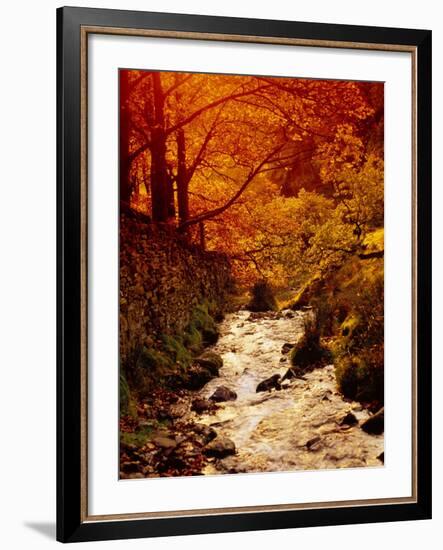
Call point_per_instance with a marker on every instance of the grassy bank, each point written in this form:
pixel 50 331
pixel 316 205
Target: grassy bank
pixel 349 305
pixel 169 361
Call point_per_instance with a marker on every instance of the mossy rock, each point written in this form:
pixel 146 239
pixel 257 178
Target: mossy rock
pixel 360 377
pixel 210 336
pixel 203 323
pixel 307 353
pixel 211 361
pixel 197 377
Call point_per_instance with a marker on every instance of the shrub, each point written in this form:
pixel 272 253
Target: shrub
pixel 361 376
pixel 308 351
pixel 262 298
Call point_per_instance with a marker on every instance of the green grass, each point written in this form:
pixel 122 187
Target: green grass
pixel 168 362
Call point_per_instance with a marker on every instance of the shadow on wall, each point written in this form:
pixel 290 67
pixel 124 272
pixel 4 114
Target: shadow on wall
pixel 46 529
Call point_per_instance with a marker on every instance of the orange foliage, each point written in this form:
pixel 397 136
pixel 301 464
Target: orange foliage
pixel 255 165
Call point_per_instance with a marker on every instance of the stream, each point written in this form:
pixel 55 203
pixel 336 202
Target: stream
pixel 295 428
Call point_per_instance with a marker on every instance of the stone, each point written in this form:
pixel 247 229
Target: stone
pixel 291 373
pixel 381 457
pixel 270 383
pixel 375 424
pixel 222 393
pixel 201 405
pixel 286 348
pixel 348 420
pixel 162 279
pixel 205 432
pixel 209 337
pixel 198 377
pixel 219 447
pixel 211 361
pixel 312 444
pixel 178 411
pixel 130 466
pixel 165 442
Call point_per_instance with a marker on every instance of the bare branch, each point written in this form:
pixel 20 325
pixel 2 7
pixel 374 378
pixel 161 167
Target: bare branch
pixel 217 211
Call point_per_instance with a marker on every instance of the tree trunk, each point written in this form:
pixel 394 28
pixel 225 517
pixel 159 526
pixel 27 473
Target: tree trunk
pixel 125 185
pixel 159 176
pixel 201 226
pixel 182 179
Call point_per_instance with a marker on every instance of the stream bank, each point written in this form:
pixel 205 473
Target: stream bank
pixel 304 425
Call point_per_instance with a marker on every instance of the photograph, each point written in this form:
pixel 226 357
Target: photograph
pixel 218 301
pixel 251 274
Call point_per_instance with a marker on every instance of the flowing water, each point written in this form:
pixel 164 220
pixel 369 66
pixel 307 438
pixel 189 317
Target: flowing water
pixel 295 428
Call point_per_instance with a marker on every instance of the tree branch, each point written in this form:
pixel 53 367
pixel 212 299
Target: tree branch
pixel 231 201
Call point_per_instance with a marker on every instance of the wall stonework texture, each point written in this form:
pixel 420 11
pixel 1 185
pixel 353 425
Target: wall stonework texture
pixel 162 278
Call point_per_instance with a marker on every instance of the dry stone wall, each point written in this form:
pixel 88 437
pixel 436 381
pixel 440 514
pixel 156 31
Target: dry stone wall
pixel 162 279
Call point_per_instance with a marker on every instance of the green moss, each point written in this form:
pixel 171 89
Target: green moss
pixel 138 438
pixel 360 376
pixel 193 339
pixel 177 352
pixel 203 322
pixel 127 402
pixel 349 325
pixel 211 361
pixel 151 360
pixel 170 362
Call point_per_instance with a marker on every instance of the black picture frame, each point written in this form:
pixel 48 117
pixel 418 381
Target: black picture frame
pixel 71 523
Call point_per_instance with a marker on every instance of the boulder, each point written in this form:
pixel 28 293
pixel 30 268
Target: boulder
pixel 222 393
pixel 178 410
pixel 211 361
pixel 269 384
pixel 348 420
pixel 209 336
pixel 197 377
pixel 220 447
pixel 286 348
pixel 375 424
pixel 291 373
pixel 206 433
pixel 201 405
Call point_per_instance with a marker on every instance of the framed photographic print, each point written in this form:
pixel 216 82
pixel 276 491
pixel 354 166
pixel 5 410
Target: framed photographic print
pixel 244 274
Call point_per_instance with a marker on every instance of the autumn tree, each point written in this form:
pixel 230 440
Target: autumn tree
pixel 231 155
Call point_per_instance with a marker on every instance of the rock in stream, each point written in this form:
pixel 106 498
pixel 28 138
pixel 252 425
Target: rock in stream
pixel 297 429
